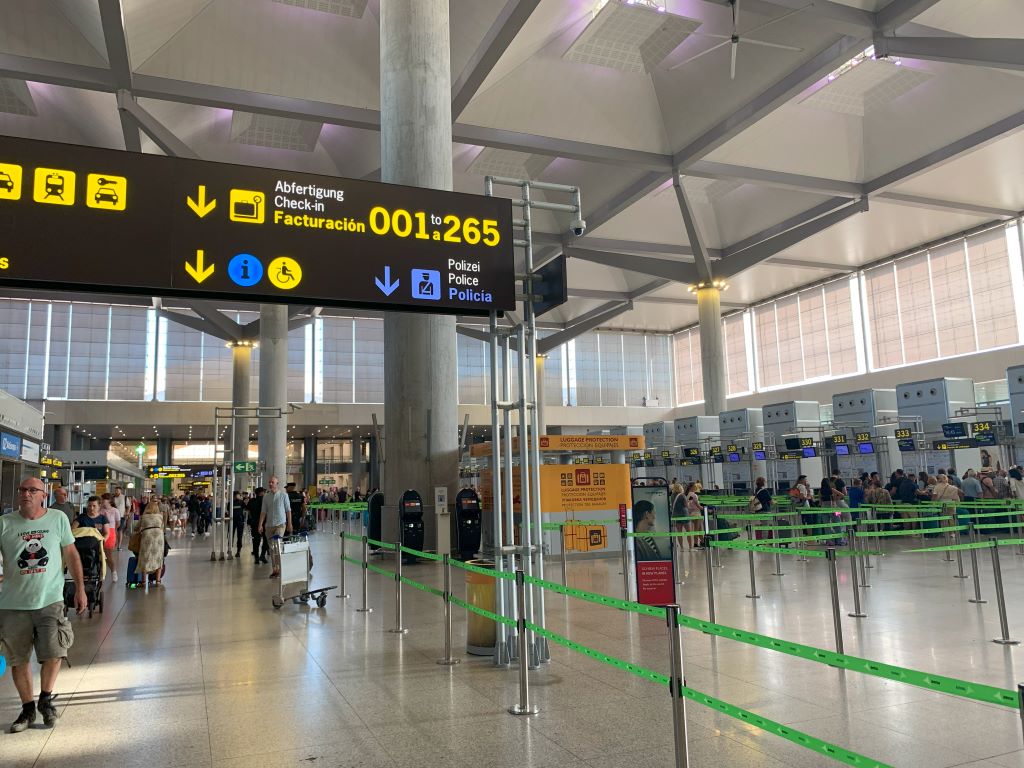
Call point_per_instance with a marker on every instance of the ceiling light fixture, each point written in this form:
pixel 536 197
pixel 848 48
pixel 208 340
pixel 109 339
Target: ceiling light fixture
pixel 630 35
pixel 718 283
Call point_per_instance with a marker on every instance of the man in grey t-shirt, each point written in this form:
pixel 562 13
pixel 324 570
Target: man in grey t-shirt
pixel 971 486
pixel 275 520
pixel 61 501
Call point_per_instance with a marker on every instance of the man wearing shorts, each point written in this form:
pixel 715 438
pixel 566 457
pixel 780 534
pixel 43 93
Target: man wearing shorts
pixel 275 520
pixel 32 543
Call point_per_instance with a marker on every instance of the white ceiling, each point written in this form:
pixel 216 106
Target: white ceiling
pixel 757 153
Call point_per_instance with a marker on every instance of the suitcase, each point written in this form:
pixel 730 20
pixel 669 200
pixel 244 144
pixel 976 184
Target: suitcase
pixel 132 579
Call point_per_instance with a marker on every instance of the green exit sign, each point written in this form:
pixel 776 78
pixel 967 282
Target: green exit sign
pixel 245 466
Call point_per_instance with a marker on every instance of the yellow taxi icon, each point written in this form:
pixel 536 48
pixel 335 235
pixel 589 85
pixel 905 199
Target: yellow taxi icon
pixel 106 192
pixel 54 186
pixel 284 273
pixel 10 181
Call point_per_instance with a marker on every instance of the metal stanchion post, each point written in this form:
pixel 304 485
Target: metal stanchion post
pixel 447 661
pixel 859 555
pixel 342 592
pixel 869 514
pixel 947 555
pixel 778 558
pixel 399 629
pixel 750 558
pixel 857 612
pixel 625 565
pixel 677 557
pixel 675 687
pixel 524 707
pixel 997 572
pixel 974 566
pixel 711 583
pixel 959 553
pixel 366 608
pixel 833 583
pixel 561 546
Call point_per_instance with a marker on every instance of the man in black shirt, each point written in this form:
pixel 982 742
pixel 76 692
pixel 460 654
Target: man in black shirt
pixel 298 505
pixel 259 541
pixel 238 521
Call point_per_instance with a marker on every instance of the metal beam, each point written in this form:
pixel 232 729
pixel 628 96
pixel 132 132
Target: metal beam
pixel 499 37
pixel 56 73
pixel 195 323
pixel 552 147
pixel 583 324
pixel 847 17
pixel 784 226
pixel 916 201
pixel 899 12
pixel 700 254
pixel 157 131
pixel 209 312
pixel 769 99
pixel 825 266
pixel 205 95
pixel 619 202
pixel 116 42
pixel 1001 53
pixel 947 153
pixel 756 254
pixel 677 271
pixel 705 169
pixel 640 297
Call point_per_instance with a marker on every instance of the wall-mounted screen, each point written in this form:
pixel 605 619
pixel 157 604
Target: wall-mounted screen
pixel 842 450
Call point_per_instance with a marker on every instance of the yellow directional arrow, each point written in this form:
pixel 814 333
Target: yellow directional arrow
pixel 199 274
pixel 201 207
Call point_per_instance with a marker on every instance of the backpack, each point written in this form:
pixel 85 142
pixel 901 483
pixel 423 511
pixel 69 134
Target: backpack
pixel 753 505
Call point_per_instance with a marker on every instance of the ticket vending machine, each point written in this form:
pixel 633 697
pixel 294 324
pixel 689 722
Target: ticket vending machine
pixel 694 436
pixel 467 523
pixel 866 420
pixel 741 428
pixel 796 426
pixel 933 403
pixel 410 518
pixel 1015 380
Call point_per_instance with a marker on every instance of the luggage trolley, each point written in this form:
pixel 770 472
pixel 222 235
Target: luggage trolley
pixel 296 564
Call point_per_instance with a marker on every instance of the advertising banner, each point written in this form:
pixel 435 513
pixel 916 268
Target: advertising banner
pixel 10 446
pixel 583 488
pixel 652 555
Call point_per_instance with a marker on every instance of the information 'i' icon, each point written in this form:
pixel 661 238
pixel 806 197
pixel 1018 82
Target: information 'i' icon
pixel 245 270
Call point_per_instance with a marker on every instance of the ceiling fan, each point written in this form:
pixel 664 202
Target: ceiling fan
pixel 736 38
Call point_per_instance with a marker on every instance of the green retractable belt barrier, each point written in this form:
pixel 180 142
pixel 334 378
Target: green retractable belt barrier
pixel 974 545
pixel 913 532
pixel 890 521
pixel 381 544
pixel 484 571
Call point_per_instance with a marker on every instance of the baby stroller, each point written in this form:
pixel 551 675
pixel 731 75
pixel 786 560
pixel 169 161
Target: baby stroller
pixel 90 552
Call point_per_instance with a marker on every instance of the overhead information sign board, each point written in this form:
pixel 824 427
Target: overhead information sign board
pixel 75 216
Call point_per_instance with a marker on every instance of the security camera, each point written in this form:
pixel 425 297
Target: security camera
pixel 578 227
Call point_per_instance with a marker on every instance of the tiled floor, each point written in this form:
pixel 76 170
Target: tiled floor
pixel 204 672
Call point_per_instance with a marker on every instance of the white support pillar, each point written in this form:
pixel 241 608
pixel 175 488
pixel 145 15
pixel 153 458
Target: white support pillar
pixel 273 434
pixel 542 422
pixel 241 362
pixel 712 348
pixel 420 363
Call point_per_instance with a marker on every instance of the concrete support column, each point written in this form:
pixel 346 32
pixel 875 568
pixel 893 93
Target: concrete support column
pixel 712 349
pixel 62 437
pixel 241 397
pixel 420 365
pixel 273 432
pixel 309 462
pixel 357 464
pixel 163 451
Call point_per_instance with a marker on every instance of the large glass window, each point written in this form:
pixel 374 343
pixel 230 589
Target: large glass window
pixel 474 370
pixel 369 361
pixel 954 299
pixel 689 384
